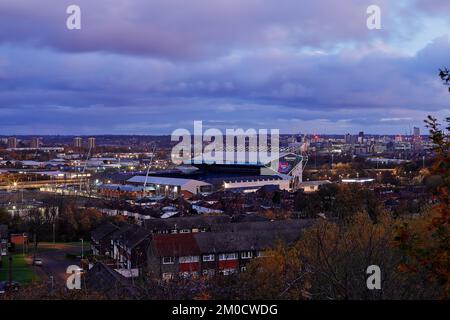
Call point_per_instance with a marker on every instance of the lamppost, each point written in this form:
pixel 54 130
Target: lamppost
pixel 52 282
pixel 82 248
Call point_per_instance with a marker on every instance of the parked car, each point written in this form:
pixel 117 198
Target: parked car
pixel 37 262
pixel 6 286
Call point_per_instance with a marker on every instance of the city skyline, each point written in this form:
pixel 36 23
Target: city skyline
pixel 148 68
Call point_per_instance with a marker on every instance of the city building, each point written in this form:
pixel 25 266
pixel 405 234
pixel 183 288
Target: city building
pixel 348 138
pixel 91 142
pixel 126 191
pixel 312 186
pixel 19 239
pixel 12 142
pixel 361 137
pixel 77 142
pixel 35 143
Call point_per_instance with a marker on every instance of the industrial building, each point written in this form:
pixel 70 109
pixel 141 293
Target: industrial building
pixel 172 187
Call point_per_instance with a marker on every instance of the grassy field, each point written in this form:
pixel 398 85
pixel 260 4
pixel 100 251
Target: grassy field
pixel 50 246
pixel 21 270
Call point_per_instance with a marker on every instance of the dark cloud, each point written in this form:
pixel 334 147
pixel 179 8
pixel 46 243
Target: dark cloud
pixel 152 66
pixel 178 29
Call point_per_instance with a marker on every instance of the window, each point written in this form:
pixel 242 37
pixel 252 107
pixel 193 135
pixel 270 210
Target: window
pixel 261 254
pixel 167 276
pixel 246 255
pixel 228 256
pixel 227 272
pixel 208 257
pixel 188 259
pixel 186 274
pixel 168 260
pixel 208 272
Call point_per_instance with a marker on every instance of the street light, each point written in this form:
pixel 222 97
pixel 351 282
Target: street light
pixel 82 248
pixel 52 281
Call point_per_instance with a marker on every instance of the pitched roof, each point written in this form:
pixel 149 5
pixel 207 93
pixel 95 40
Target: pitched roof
pixel 263 226
pixel 185 222
pixel 121 232
pixel 129 233
pixel 175 245
pixel 244 240
pixel 101 278
pixel 103 230
pixel 137 237
pixel 264 236
pixel 249 218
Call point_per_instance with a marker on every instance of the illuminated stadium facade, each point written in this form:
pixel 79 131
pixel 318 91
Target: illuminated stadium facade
pixel 283 171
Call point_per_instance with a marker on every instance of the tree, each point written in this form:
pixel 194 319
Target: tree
pixel 444 74
pixel 276 198
pixel 5 217
pixel 329 261
pixel 428 247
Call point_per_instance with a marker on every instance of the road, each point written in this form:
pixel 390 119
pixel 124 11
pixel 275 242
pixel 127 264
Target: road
pixel 55 261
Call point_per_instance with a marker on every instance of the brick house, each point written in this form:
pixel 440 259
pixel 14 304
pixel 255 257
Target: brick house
pixel 192 246
pixel 172 254
pixel 210 253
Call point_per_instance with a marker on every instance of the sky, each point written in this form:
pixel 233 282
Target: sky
pixel 152 66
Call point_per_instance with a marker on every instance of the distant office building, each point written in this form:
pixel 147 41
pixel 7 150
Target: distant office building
pixel 35 143
pixel 12 142
pixel 348 138
pixel 91 143
pixel 416 132
pixel 77 142
pixel 361 137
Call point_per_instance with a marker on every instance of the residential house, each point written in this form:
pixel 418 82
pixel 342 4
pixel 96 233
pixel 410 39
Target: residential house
pixel 104 280
pixel 185 224
pixel 210 253
pixel 132 248
pixel 100 243
pixel 4 240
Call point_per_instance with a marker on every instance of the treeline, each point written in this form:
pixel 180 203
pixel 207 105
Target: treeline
pixel 62 221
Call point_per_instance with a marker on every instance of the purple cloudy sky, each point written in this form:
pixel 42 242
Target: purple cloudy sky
pixel 150 66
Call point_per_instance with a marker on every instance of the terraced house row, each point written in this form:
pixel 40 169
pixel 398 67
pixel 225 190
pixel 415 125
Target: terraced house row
pixel 203 246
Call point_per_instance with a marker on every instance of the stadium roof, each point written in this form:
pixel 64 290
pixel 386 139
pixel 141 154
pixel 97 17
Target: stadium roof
pixel 165 181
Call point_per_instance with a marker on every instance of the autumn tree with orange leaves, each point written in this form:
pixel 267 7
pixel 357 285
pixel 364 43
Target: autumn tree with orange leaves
pixel 428 248
pixel 427 245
